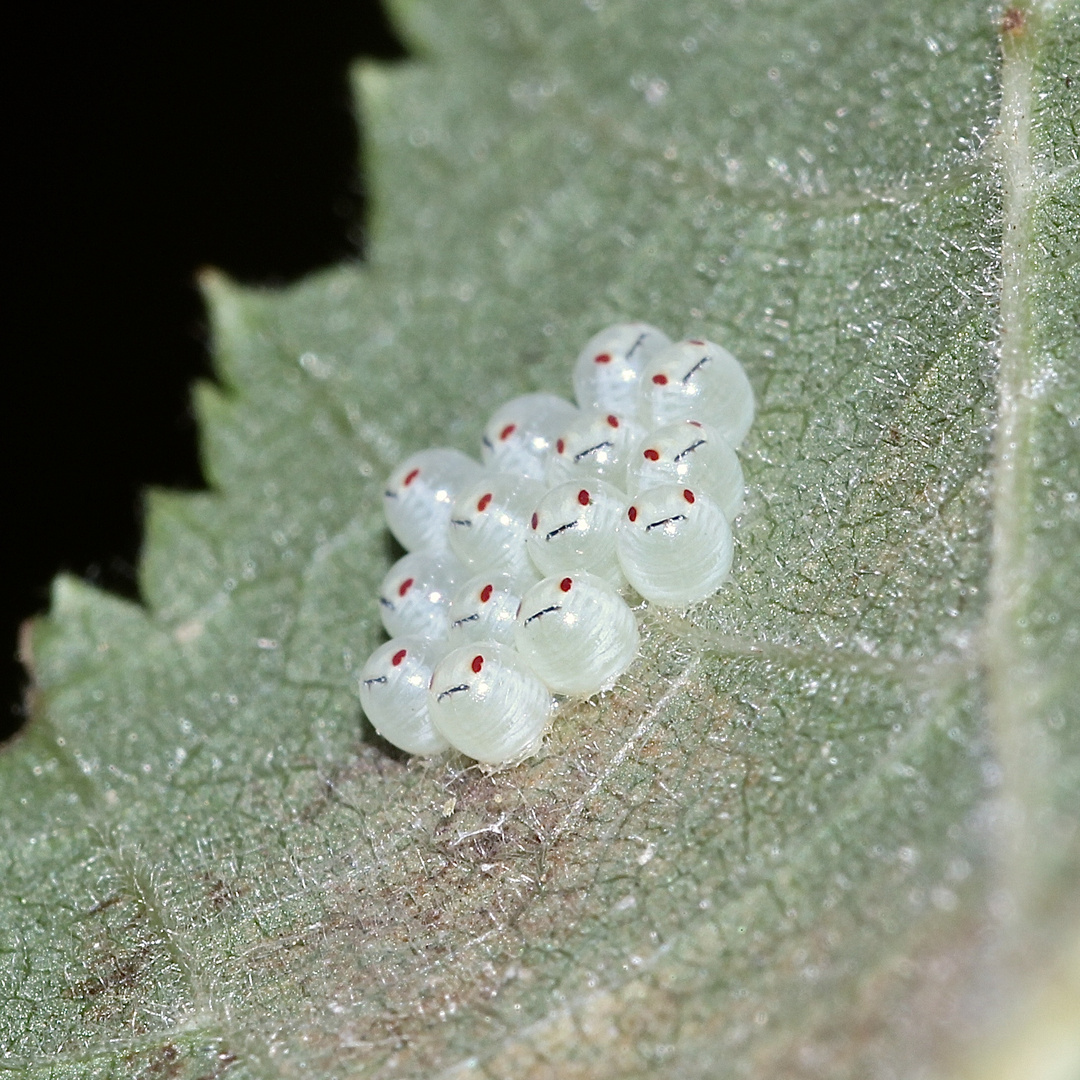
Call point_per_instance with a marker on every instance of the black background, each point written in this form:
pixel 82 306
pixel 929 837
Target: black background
pixel 148 143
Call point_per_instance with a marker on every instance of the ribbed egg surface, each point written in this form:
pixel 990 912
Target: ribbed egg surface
pixel 693 454
pixel 394 694
pixel 577 633
pixel 608 370
pixel 484 609
pixel 420 493
pixel 520 436
pixel 596 445
pixel 674 545
pixel 490 522
pixel 487 703
pixel 697 380
pixel 573 528
pixel 414 597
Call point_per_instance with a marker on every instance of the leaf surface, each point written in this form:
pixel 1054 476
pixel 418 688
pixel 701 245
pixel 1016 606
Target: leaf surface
pixel 828 824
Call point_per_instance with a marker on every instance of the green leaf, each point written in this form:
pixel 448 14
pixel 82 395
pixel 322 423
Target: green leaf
pixel 829 825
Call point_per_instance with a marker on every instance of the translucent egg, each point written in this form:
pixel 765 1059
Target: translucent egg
pixel 596 444
pixel 486 703
pixel 483 609
pixel 489 524
pixel 693 454
pixel 674 545
pixel 573 529
pixel 576 633
pixel 607 370
pixel 420 493
pixel 697 380
pixel 414 598
pixel 394 693
pixel 520 436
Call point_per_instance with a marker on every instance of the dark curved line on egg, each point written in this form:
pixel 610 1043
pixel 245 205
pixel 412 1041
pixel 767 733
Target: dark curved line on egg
pixel 592 450
pixel 453 690
pixel 665 521
pixel 701 363
pixel 689 450
pixel 543 611
pixel 563 528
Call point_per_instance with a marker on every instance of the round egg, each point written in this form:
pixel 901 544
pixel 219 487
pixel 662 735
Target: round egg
pixel 577 633
pixel 490 522
pixel 697 380
pixel 484 609
pixel 694 455
pixel 597 444
pixel 521 434
pixel 674 545
pixel 394 693
pixel 420 493
pixel 414 598
pixel 608 369
pixel 486 703
pixel 573 528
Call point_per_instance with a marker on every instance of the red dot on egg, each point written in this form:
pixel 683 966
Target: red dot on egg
pixel 398 657
pixel 613 421
pixel 482 505
pixel 477 664
pixel 583 497
pixel 632 513
pixel 507 431
pixel 485 594
pixel 602 358
pixel 560 446
pixel 410 477
pixel 688 495
pixel 652 455
pixel 700 344
pixel 535 519
pixel 405 586
pixel 660 380
pixel 566 584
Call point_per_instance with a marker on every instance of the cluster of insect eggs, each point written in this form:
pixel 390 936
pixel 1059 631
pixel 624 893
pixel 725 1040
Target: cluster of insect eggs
pixel 512 588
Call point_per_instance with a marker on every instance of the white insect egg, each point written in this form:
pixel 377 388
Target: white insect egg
pixel 484 609
pixel 596 444
pixel 420 492
pixel 573 529
pixel 693 454
pixel 697 380
pixel 414 598
pixel 521 434
pixel 394 693
pixel 489 524
pixel 607 370
pixel 674 545
pixel 577 633
pixel 486 703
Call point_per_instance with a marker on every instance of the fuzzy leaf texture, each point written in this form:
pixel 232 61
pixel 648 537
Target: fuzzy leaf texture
pixel 829 823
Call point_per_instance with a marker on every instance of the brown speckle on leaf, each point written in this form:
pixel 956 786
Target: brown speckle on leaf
pixel 115 973
pixel 220 894
pixel 1012 22
pixel 104 905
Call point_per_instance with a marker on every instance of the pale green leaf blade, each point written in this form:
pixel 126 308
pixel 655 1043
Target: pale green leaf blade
pixel 828 825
